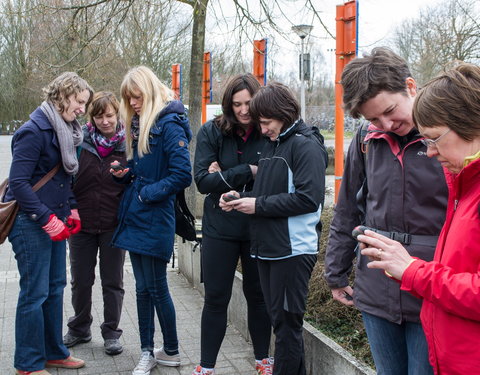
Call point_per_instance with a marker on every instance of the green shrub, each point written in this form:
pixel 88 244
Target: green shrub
pixel 341 323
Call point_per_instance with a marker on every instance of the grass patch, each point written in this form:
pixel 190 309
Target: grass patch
pixel 341 323
pixel 330 134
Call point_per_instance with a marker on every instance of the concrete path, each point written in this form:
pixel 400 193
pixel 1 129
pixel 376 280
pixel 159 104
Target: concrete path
pixel 235 358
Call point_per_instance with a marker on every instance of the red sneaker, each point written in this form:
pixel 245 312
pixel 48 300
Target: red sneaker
pixel 199 370
pixel 41 372
pixel 265 367
pixel 69 362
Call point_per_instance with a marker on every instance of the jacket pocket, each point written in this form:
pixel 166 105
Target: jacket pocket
pixel 139 214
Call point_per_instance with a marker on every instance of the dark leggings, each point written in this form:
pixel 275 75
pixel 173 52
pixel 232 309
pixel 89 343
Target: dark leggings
pixel 219 262
pixel 285 285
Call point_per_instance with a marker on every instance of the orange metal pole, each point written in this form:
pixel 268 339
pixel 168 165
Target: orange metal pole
pixel 346 35
pixel 339 125
pixel 259 56
pixel 205 85
pixel 350 31
pixel 176 74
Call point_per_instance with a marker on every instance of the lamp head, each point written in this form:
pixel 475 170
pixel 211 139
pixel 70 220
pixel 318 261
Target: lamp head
pixel 302 30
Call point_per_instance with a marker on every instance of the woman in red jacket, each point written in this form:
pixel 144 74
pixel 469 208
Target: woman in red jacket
pixel 447 114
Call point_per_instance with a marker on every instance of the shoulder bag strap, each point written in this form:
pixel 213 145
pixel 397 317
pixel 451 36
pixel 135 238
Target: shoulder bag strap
pixel 46 178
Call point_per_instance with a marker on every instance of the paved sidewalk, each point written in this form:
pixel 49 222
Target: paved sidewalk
pixel 235 357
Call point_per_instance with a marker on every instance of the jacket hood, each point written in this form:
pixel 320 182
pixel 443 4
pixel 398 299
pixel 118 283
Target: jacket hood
pixel 300 127
pixel 176 107
pixel 307 130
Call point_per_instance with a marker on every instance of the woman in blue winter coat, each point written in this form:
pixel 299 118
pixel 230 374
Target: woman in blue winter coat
pixel 157 136
pixel 46 218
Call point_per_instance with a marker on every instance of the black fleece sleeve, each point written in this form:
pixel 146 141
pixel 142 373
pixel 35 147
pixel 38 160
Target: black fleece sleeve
pixel 206 153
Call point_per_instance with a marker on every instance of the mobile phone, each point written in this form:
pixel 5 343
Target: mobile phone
pixel 229 197
pixel 358 230
pixel 117 167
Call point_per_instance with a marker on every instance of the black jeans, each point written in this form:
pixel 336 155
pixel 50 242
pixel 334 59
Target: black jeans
pixel 84 248
pixel 219 262
pixel 285 287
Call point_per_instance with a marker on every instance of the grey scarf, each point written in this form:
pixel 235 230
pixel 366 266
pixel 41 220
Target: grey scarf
pixel 69 136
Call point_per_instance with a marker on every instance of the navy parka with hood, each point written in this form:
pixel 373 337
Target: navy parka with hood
pixel 146 213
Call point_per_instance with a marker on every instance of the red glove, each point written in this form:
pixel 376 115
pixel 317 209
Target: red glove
pixel 56 229
pixel 73 222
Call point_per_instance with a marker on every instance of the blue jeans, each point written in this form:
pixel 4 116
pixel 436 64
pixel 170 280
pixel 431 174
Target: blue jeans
pixel 152 294
pixel 39 319
pixel 397 349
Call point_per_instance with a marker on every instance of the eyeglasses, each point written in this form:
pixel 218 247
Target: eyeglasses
pixel 433 142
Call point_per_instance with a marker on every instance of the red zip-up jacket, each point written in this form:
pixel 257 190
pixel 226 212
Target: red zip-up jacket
pixel 450 285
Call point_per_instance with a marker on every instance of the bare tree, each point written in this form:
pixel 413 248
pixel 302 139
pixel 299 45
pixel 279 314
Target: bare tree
pixel 16 60
pixel 449 31
pixel 155 34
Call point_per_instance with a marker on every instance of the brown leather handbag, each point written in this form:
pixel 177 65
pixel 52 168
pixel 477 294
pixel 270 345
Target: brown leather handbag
pixel 8 210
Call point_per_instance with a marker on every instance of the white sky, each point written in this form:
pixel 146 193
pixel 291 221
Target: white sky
pixel 377 20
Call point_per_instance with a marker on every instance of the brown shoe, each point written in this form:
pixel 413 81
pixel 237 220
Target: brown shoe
pixel 69 362
pixel 41 372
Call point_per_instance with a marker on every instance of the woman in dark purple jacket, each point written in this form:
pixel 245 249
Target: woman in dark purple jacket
pixel 98 197
pixel 45 220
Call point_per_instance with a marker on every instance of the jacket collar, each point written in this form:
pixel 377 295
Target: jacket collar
pixel 39 118
pixel 282 137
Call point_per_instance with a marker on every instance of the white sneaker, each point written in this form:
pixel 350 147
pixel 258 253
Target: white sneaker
pixel 165 359
pixel 146 363
pixel 199 370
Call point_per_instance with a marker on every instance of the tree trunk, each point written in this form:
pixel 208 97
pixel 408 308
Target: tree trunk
pixel 195 89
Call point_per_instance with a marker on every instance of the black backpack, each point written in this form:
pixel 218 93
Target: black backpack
pixel 184 220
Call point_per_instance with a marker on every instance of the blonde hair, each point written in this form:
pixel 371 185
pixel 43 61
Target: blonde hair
pixel 65 85
pixel 155 96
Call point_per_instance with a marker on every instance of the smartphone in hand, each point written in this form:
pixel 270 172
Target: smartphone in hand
pixel 117 167
pixel 358 230
pixel 229 197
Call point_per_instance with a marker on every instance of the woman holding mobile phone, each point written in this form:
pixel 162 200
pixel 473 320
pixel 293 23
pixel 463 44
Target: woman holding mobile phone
pixel 226 158
pixel 157 136
pixel 98 197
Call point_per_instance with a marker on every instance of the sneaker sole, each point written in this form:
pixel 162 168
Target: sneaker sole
pixel 114 352
pixel 70 367
pixel 168 363
pixel 80 340
pixel 145 373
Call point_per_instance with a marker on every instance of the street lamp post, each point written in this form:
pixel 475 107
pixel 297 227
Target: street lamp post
pixel 302 31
